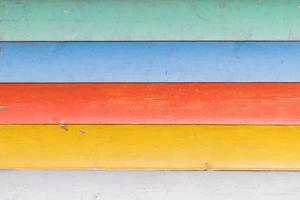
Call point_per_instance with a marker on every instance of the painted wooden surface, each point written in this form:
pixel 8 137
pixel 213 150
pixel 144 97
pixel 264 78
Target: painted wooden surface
pixel 83 20
pixel 194 103
pixel 150 62
pixel 150 147
pixel 147 185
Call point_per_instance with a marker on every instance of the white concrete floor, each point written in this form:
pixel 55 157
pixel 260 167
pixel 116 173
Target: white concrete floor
pixel 126 185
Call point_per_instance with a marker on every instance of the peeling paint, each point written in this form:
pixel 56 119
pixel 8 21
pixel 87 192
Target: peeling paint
pixel 66 11
pixel 64 126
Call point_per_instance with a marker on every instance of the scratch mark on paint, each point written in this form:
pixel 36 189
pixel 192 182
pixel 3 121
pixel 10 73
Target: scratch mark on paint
pixel 201 17
pixel 82 132
pixel 237 47
pixel 96 197
pixel 199 14
pixel 222 5
pixel 19 2
pixel 24 18
pixel 207 166
pixel 290 33
pixel 63 125
pixel 66 11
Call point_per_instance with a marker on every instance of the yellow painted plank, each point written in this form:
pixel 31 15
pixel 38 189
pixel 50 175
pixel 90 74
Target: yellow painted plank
pixel 150 147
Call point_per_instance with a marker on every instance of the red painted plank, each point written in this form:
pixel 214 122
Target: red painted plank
pixel 194 103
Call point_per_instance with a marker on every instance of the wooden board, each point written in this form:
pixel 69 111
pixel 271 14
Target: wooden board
pixel 133 20
pixel 150 62
pixel 158 185
pixel 193 103
pixel 150 147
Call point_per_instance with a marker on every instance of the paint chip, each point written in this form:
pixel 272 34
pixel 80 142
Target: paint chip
pixel 63 125
pixel 207 166
pixel 67 11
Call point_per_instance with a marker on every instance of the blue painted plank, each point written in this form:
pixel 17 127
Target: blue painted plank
pixel 150 62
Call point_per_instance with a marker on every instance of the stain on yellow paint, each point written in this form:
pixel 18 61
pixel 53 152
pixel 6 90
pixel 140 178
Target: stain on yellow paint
pixel 150 147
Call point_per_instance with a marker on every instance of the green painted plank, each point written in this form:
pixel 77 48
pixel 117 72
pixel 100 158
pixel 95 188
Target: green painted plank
pixel 111 20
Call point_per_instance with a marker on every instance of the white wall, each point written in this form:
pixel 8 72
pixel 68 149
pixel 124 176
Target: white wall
pixel 122 185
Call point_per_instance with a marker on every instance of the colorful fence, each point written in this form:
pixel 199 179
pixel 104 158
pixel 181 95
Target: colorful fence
pixel 152 85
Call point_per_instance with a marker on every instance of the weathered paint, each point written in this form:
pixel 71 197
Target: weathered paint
pixel 115 20
pixel 150 147
pixel 150 62
pixel 194 103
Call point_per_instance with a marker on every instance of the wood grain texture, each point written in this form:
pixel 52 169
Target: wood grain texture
pixel 115 20
pixel 193 103
pixel 150 147
pixel 150 62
